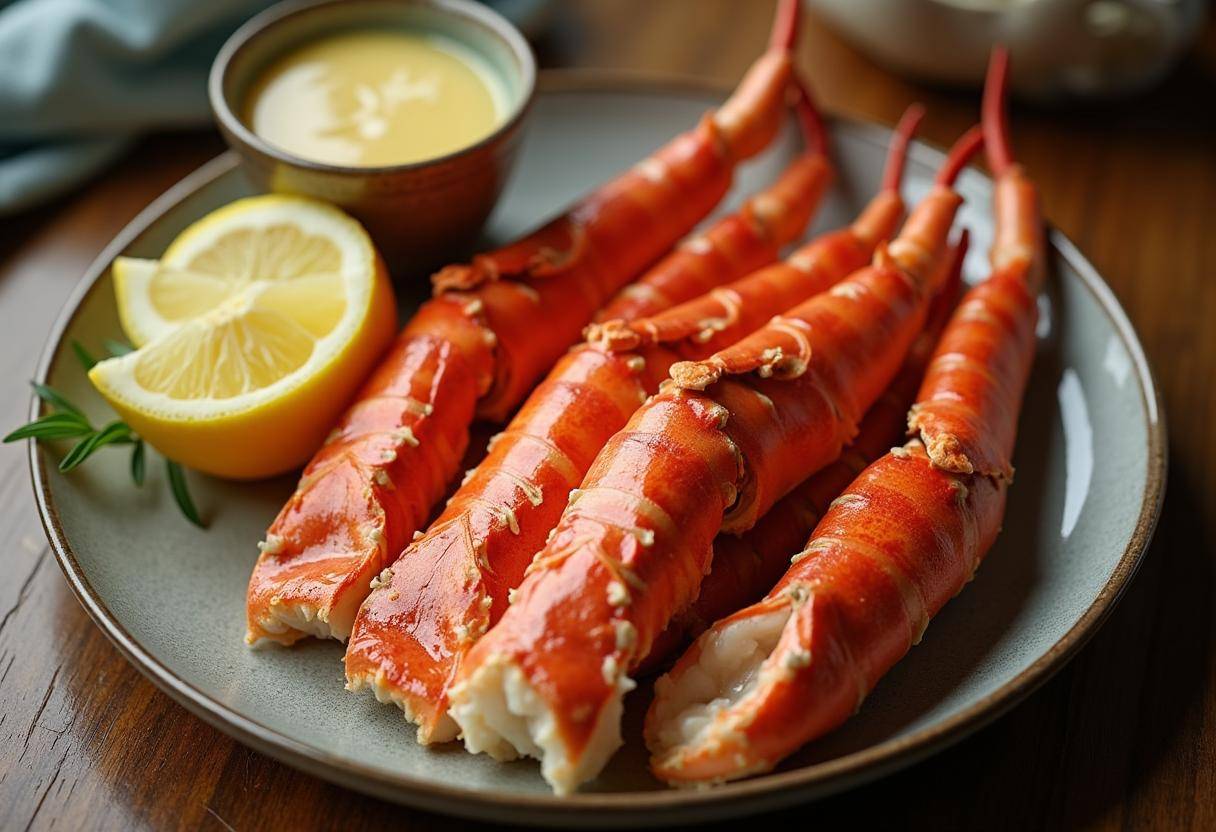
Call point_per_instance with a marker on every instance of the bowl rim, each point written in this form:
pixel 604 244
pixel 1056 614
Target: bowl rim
pixel 662 807
pixel 263 25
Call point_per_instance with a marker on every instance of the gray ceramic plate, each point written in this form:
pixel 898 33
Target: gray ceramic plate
pixel 1090 478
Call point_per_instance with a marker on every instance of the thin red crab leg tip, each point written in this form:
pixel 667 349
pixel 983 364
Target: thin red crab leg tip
pixel 952 289
pixel 959 253
pixel 897 153
pixel 786 24
pixel 810 121
pixel 963 244
pixel 960 156
pixel 1018 239
pixel 995 123
pixel 750 119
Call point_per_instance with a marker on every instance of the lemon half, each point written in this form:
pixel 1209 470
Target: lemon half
pixel 254 330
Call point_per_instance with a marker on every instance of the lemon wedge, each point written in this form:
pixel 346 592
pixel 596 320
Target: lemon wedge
pixel 254 330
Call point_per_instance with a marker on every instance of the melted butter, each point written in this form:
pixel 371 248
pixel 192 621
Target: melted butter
pixel 375 98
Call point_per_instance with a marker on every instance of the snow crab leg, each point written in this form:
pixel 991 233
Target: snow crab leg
pixel 477 348
pixel 905 537
pixel 635 540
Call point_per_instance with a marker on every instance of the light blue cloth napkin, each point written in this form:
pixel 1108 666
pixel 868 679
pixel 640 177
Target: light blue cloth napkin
pixel 79 79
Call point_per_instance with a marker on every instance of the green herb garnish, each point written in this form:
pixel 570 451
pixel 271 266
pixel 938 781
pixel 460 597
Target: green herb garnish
pixel 67 421
pixel 85 357
pixel 117 348
pixel 62 425
pixel 177 484
pixel 137 462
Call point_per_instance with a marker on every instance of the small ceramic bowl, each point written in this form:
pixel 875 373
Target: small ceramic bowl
pixel 419 213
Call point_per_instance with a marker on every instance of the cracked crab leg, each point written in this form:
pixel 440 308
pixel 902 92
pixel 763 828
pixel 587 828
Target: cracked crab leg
pixel 452 583
pixel 634 542
pixel 478 347
pixel 905 537
pixel 408 640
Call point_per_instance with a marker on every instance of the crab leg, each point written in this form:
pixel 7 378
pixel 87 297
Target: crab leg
pixel 876 313
pixel 451 584
pixel 729 248
pixel 717 319
pixel 634 542
pixel 493 329
pixel 746 566
pixel 408 640
pixel 905 537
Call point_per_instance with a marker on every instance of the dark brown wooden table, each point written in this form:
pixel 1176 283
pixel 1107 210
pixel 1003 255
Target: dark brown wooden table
pixel 1124 737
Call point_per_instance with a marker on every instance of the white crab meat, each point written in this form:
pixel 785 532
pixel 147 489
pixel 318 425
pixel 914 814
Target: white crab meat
pixel 690 701
pixel 500 714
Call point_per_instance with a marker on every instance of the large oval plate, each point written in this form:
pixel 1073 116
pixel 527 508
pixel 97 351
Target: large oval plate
pixel 1089 486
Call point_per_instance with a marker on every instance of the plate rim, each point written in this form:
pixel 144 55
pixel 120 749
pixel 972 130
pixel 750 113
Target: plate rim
pixel 601 809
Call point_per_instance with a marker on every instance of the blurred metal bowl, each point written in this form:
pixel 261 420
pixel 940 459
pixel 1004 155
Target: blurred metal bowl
pixel 1062 48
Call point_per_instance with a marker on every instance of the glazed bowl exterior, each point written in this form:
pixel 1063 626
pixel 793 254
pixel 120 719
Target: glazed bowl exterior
pixel 421 213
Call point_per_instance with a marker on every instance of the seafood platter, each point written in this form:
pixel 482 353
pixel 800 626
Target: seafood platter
pixel 687 490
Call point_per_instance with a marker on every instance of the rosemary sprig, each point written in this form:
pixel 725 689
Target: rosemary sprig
pixel 177 484
pixel 137 462
pixel 54 398
pixel 56 425
pixel 83 355
pixel 67 421
pixel 115 433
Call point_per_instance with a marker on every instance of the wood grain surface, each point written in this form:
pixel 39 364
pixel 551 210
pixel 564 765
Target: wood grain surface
pixel 1124 737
